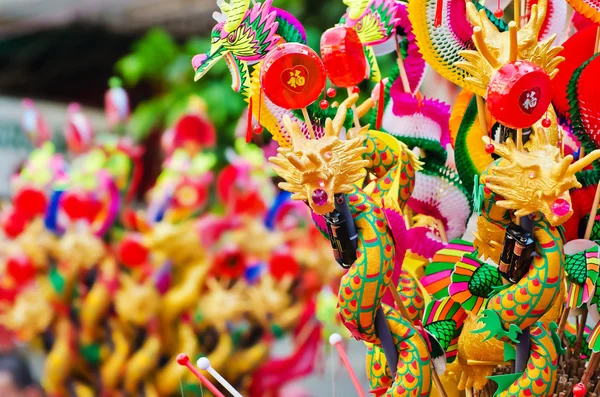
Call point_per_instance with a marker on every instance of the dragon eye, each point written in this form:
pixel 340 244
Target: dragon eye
pixel 359 25
pixel 215 39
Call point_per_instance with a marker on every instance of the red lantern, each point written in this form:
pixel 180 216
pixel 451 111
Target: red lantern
pixel 519 94
pixel 343 56
pixel 282 263
pixel 30 202
pixel 132 251
pixel 292 76
pixel 20 268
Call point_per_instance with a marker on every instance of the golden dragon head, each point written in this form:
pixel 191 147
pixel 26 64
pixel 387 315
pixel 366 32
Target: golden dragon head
pixel 316 169
pixel 137 302
pixel 536 179
pixel 496 49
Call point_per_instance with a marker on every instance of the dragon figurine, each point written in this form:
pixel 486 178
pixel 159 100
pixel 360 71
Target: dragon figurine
pixel 321 172
pixel 244 35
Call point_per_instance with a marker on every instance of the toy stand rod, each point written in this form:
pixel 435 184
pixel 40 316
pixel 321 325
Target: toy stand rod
pixel 592 217
pixel 311 131
pixel 398 302
pixel 354 112
pixel 401 69
pixel 335 340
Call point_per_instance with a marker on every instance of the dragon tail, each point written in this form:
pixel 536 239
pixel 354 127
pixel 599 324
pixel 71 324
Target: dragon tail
pixel 438 272
pixel 472 282
pixel 444 320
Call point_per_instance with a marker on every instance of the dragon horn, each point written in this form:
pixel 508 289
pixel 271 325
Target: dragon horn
pixel 584 162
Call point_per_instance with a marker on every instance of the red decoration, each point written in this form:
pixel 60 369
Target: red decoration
pixel 343 56
pixel 331 92
pixel 579 390
pixel 30 202
pixel 131 251
pixel 81 205
pixel 194 130
pixel 283 263
pixel 499 13
pixel 577 49
pixel 13 223
pixel 292 76
pixel 546 123
pixel 324 104
pixel 20 268
pixel 489 148
pixel 230 263
pixel 355 90
pixel 519 94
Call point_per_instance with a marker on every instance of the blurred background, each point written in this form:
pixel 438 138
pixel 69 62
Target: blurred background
pixel 62 51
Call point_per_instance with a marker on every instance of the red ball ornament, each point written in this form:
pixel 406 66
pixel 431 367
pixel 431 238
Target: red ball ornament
pixel 30 202
pixel 355 90
pixel 546 123
pixel 331 92
pixel 292 76
pixel 499 13
pixel 489 148
pixel 20 268
pixel 343 56
pixel 132 251
pixel 283 263
pixel 258 129
pixel 579 390
pixel 519 94
pixel 324 104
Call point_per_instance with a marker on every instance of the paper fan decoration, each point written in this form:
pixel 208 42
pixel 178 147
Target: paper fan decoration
pixel 555 20
pixel 576 50
pixel 418 122
pixel 588 8
pixel 469 149
pixel 440 194
pixel 441 42
pixel 585 103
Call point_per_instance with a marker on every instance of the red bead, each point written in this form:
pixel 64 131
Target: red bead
pixel 579 390
pixel 20 268
pixel 258 129
pixel 519 94
pixel 489 148
pixel 499 13
pixel 292 76
pixel 131 251
pixel 324 104
pixel 546 123
pixel 487 190
pixel 331 92
pixel 355 90
pixel 343 56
